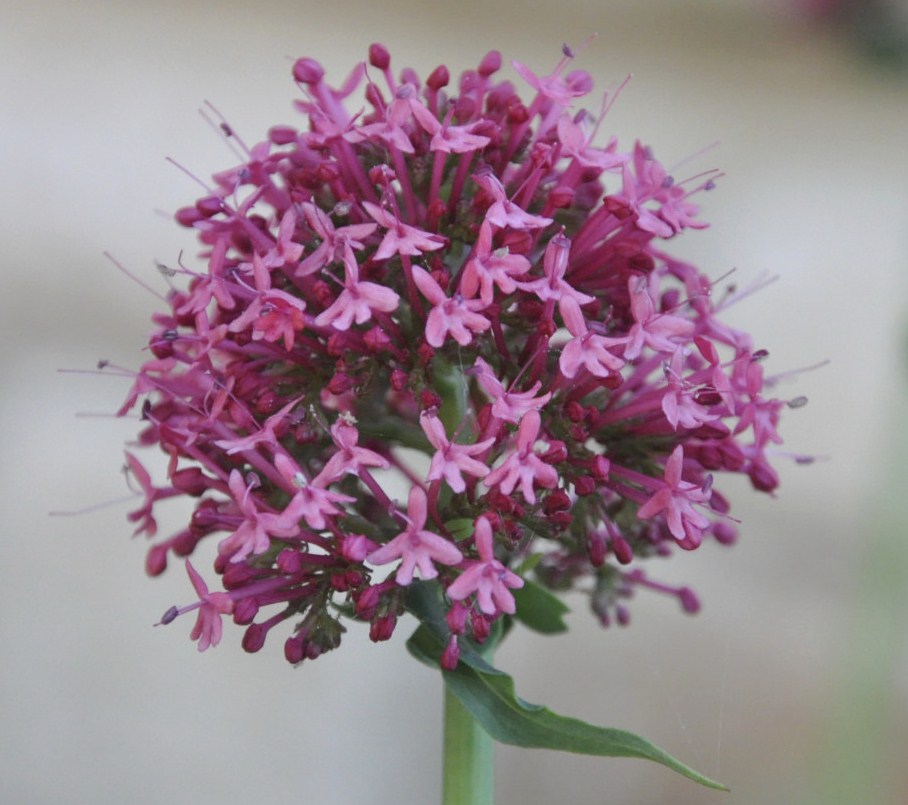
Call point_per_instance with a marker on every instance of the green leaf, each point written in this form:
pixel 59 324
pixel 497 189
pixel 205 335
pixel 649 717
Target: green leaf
pixel 451 386
pixel 540 609
pixel 489 695
pixel 460 527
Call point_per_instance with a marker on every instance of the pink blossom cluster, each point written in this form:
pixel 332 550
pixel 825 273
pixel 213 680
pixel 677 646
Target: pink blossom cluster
pixel 437 336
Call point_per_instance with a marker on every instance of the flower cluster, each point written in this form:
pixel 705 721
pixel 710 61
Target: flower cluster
pixel 453 297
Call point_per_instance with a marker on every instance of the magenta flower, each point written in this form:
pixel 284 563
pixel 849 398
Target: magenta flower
pixel 208 627
pixel 401 238
pixel 457 317
pixel 452 460
pixel 256 526
pixel 418 548
pixel 675 499
pixel 509 406
pixel 488 579
pixel 358 300
pixel 349 456
pixel 523 467
pixel 452 268
pixel 486 268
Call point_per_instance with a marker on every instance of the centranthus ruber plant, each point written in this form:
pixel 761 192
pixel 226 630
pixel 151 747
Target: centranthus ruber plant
pixel 437 360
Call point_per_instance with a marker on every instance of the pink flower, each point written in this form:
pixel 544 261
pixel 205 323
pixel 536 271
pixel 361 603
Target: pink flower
pixel 575 142
pixel 358 299
pixel 273 314
pixel 312 502
pixel 334 242
pixel 487 578
pixel 212 606
pixel 678 401
pixel 523 466
pixel 451 460
pixel 558 89
pixel 264 435
pixel 446 138
pixel 350 456
pixel 286 251
pixel 401 238
pixel 509 406
pixel 457 317
pixel 553 285
pixel 675 501
pixel 661 332
pixel 503 212
pixel 416 547
pixel 253 535
pixel 586 350
pixel 485 269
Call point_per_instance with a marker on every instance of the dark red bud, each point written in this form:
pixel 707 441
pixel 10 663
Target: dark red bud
pixel 707 395
pixel 724 533
pixel 517 113
pixel 156 560
pixel 425 352
pixel 376 340
pixel 689 601
pixel 244 611
pixel 267 403
pixel 399 379
pixel 254 638
pixel 481 627
pixel 556 453
pixel 558 500
pixel 457 618
pixel 595 548
pixel 339 582
pixel 584 485
pixel 450 656
pixel 621 549
pixel 561 197
pixel 340 383
pixel 561 519
pixel 289 561
pixel 190 481
pixel 491 63
pixel 382 627
pixel 438 78
pixel 379 57
pixel 763 477
pixel 327 172
pixel 322 293
pixel 187 216
pixel 210 205
pixel 294 650
pixel 429 399
pixel 574 411
pixel 618 207
pixel 307 71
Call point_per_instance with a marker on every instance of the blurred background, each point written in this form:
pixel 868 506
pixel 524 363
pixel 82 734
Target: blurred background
pixel 791 686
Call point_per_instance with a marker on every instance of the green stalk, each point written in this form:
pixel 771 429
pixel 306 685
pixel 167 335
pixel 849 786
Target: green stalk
pixel 469 751
pixel 469 772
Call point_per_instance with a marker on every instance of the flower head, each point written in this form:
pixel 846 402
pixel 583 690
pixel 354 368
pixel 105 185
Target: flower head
pixel 458 271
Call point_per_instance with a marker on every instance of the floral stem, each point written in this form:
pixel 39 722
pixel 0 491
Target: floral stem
pixel 469 772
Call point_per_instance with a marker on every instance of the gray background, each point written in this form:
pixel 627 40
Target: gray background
pixel 791 684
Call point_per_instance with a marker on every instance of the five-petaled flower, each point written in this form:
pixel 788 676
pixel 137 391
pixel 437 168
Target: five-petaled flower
pixel 487 577
pixel 417 548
